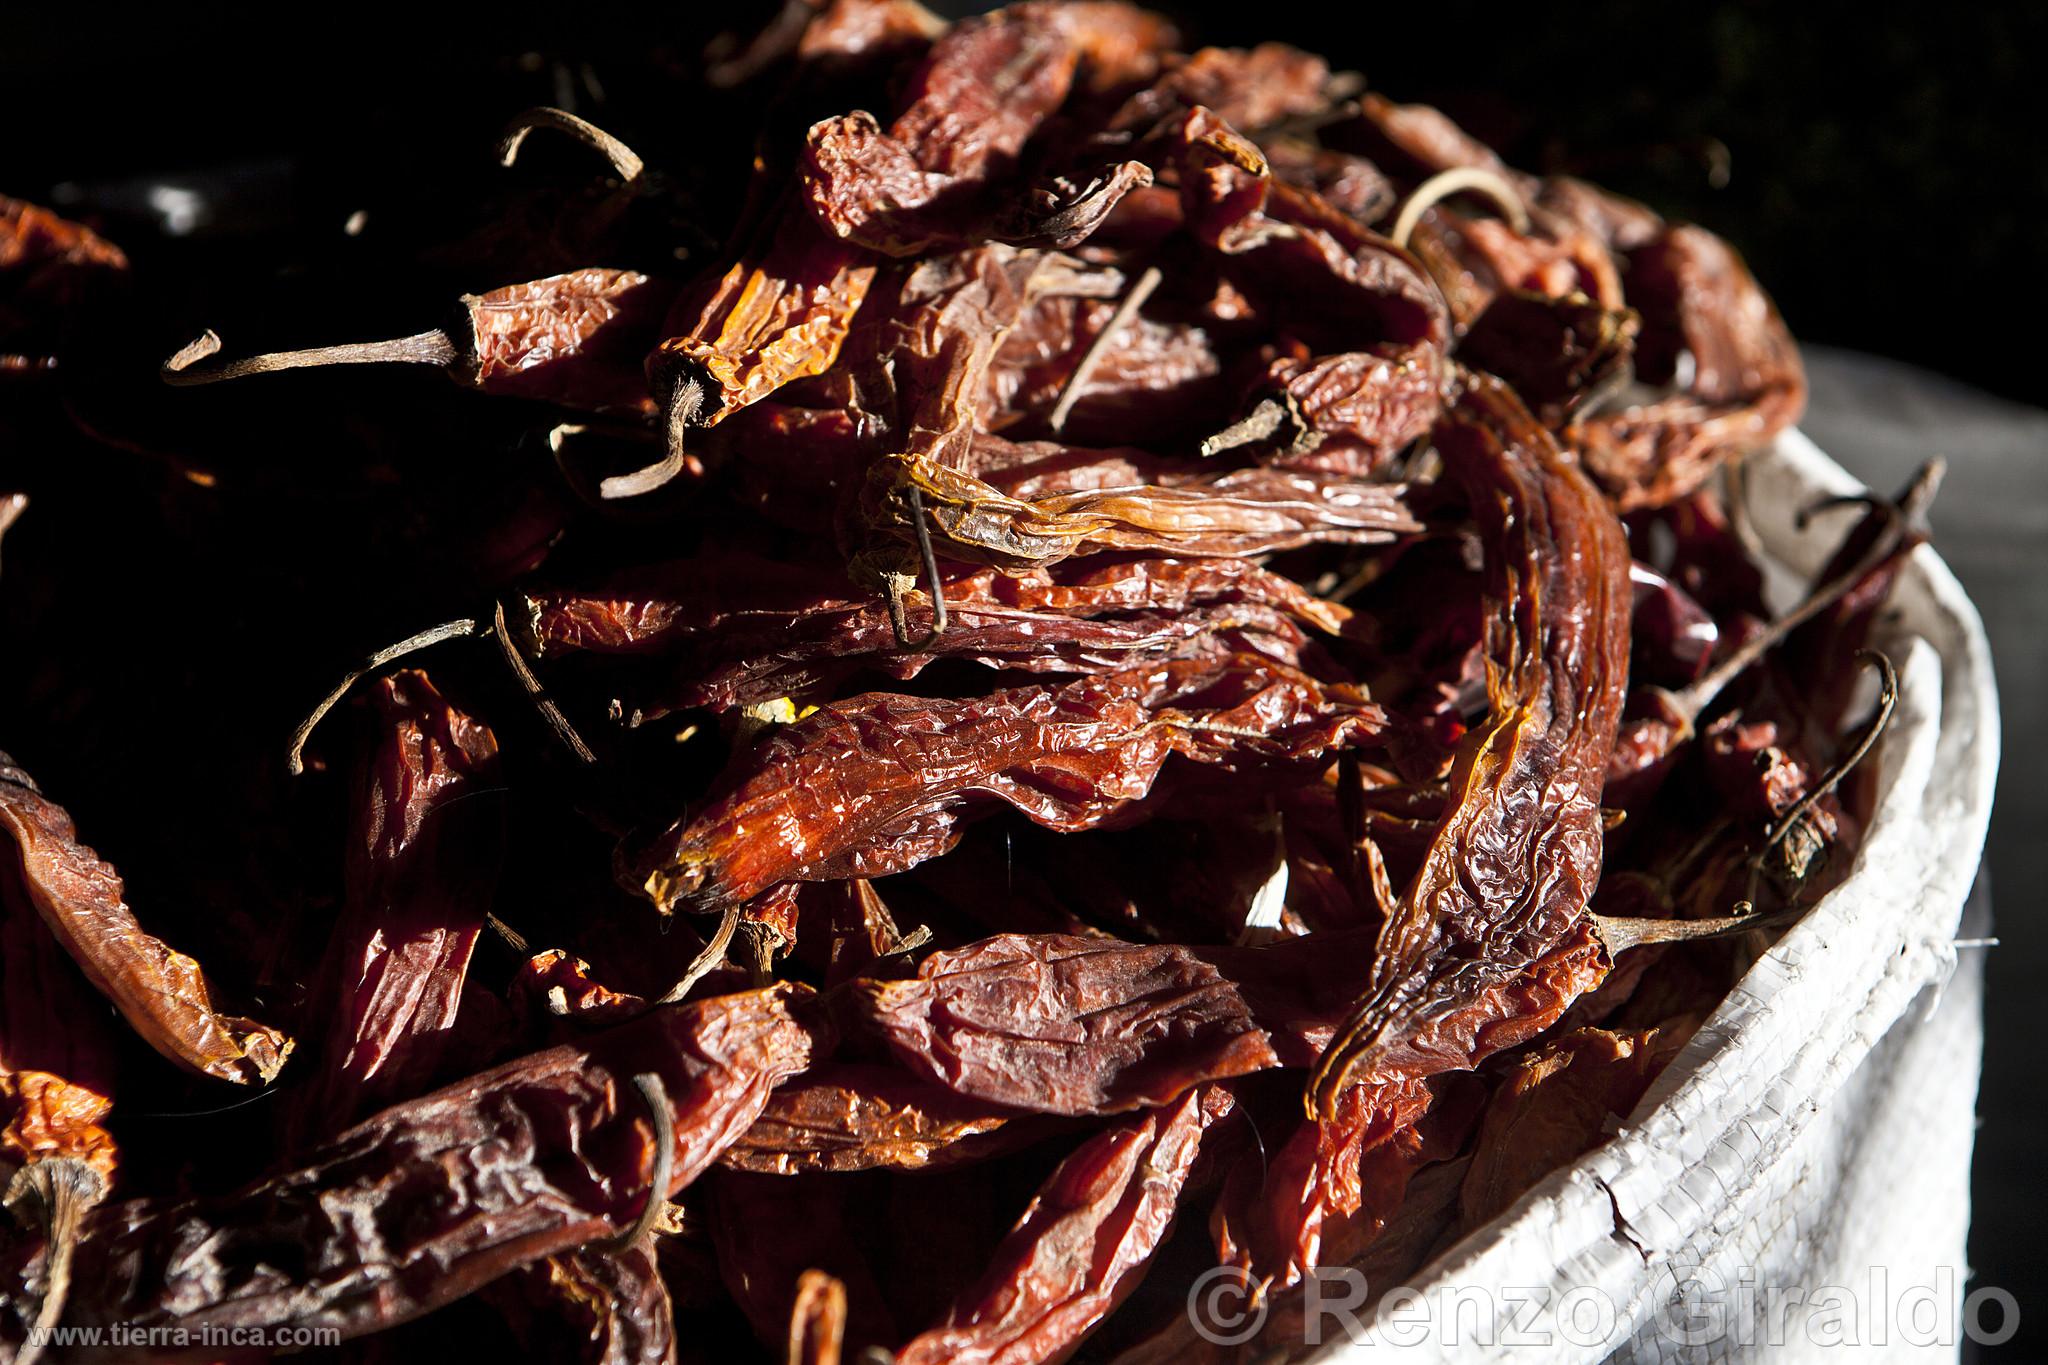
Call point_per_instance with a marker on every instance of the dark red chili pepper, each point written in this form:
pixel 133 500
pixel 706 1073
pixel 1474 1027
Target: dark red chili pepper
pixel 163 994
pixel 421 871
pixel 535 1157
pixel 838 792
pixel 1083 1245
pixel 1529 781
pixel 573 339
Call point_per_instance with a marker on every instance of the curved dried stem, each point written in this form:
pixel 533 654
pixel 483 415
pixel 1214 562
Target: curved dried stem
pixel 1459 180
pixel 53 1196
pixel 515 659
pixel 425 348
pixel 685 401
pixel 897 584
pixel 1887 702
pixel 1126 309
pixel 625 162
pixel 712 954
pixel 1689 702
pixel 433 635
pixel 651 1091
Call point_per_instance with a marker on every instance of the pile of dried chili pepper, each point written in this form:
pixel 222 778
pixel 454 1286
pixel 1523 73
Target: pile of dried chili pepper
pixel 1095 661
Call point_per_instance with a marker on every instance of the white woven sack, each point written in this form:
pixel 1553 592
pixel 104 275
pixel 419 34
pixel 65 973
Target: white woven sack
pixel 1795 1186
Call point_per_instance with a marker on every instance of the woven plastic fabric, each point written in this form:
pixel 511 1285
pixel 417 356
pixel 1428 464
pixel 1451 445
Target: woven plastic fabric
pixel 1796 1184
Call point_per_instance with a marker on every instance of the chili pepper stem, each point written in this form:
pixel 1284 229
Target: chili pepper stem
pixel 1887 701
pixel 896 585
pixel 424 348
pixel 515 659
pixel 1618 934
pixel 624 160
pixel 433 635
pixel 712 954
pixel 650 1088
pixel 1459 180
pixel 53 1196
pixel 685 402
pixel 1126 309
pixel 1689 703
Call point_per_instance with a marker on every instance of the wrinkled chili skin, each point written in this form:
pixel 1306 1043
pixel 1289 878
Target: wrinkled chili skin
pixel 777 314
pixel 1245 512
pixel 1695 296
pixel 421 871
pixel 575 339
pixel 984 89
pixel 829 795
pixel 1060 1025
pixel 1506 881
pixel 1083 1245
pixel 162 993
pixel 854 1116
pixel 532 1158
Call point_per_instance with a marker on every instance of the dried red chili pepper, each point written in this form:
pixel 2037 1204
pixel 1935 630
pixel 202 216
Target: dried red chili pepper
pixel 1561 353
pixel 1248 512
pixel 1083 1245
pixel 1325 1195
pixel 855 1117
pixel 1746 383
pixel 1062 1025
pixel 162 993
pixel 1341 285
pixel 538 1156
pixel 876 783
pixel 573 339
pixel 1557 639
pixel 422 868
pixel 778 313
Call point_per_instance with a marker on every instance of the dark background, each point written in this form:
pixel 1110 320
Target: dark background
pixel 1880 167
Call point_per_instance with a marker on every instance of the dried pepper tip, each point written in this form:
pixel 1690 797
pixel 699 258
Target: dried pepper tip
pixel 53 1197
pixel 433 635
pixel 651 1091
pixel 1459 180
pixel 425 348
pixel 1126 310
pixel 1688 703
pixel 1791 846
pixel 624 160
pixel 896 585
pixel 685 403
pixel 515 659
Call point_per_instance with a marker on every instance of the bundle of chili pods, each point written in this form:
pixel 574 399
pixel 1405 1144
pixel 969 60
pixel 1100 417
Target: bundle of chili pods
pixel 1127 660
